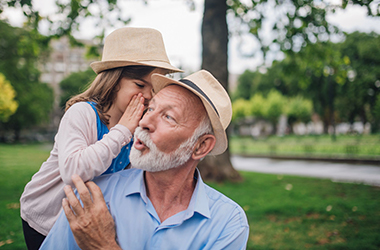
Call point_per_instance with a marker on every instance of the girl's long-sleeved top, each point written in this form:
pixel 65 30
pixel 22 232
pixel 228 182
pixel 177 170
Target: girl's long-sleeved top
pixel 76 150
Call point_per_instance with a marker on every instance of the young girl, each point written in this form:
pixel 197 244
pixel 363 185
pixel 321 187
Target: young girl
pixel 95 134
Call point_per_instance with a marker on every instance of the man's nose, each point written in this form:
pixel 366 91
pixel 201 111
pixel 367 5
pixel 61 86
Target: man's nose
pixel 147 121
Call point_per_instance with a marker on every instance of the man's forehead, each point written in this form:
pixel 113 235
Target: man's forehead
pixel 179 90
pixel 177 94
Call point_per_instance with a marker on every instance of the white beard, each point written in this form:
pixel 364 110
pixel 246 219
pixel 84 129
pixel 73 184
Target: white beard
pixel 156 160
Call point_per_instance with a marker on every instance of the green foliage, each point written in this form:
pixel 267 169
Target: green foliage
pixel 270 108
pixel 247 84
pixel 8 105
pixel 317 72
pixel 68 17
pixel 376 108
pixel 75 84
pixel 376 113
pixel 19 51
pixel 251 83
pixel 342 80
pixel 358 96
pixel 297 23
pixel 274 106
pixel 239 109
pixel 257 106
pixel 299 109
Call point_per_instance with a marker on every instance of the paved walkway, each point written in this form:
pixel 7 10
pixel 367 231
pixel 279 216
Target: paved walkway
pixel 339 172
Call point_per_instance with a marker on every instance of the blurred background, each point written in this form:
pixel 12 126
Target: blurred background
pixel 303 76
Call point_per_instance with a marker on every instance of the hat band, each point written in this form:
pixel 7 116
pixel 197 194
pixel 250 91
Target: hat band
pixel 196 88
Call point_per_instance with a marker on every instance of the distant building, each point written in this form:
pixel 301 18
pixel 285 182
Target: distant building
pixel 63 60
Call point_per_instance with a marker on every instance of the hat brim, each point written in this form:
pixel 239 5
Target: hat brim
pixel 100 66
pixel 160 82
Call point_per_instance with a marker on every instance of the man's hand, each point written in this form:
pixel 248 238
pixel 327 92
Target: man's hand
pixel 92 225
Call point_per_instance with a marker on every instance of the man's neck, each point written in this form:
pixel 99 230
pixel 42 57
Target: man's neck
pixel 170 191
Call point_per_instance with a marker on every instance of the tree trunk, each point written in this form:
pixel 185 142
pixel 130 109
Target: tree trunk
pixel 215 59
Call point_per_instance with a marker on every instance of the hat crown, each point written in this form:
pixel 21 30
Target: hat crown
pixel 135 44
pixel 216 93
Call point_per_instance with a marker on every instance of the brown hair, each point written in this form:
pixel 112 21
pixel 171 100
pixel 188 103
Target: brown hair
pixel 103 89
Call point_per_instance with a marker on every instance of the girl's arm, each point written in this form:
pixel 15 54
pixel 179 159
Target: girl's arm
pixel 79 151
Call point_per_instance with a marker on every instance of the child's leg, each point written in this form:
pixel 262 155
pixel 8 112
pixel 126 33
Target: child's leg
pixel 33 239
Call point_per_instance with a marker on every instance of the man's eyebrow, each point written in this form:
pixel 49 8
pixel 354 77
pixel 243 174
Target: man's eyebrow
pixel 165 106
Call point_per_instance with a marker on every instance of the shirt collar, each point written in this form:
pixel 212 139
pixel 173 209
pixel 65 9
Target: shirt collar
pixel 199 200
pixel 137 185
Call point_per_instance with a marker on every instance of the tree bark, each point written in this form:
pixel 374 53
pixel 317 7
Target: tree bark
pixel 215 60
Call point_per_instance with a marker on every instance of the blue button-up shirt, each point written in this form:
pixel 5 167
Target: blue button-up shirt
pixel 211 221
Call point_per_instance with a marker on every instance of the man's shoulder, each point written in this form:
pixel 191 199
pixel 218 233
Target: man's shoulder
pixel 221 205
pixel 217 196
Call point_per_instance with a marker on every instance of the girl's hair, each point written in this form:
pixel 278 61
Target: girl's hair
pixel 103 89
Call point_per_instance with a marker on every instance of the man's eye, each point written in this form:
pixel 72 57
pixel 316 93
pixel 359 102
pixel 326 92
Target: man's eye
pixel 150 109
pixel 168 117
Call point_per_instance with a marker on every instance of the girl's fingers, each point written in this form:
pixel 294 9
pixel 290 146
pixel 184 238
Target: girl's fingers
pixel 133 113
pixel 133 104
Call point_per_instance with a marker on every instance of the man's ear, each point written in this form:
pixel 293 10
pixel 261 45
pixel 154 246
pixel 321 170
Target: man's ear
pixel 204 145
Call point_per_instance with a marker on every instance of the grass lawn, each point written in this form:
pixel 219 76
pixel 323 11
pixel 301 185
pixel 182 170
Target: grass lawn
pixel 17 165
pixel 284 212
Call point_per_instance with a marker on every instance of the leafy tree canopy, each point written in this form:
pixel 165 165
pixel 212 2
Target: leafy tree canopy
pixel 291 24
pixel 75 84
pixel 19 51
pixel 8 105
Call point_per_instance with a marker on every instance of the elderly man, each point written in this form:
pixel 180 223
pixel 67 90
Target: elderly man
pixel 162 202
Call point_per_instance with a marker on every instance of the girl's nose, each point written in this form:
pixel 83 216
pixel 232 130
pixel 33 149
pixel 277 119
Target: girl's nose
pixel 147 94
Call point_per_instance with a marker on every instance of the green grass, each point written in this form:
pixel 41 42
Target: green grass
pixel 345 146
pixel 17 165
pixel 284 212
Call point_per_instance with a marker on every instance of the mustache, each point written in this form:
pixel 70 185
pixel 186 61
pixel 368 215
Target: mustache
pixel 144 137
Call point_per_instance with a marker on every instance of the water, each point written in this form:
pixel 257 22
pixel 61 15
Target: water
pixel 338 172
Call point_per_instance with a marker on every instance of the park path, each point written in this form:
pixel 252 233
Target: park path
pixel 338 172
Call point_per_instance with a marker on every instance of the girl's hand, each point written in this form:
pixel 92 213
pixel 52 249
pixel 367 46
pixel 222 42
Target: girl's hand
pixel 133 113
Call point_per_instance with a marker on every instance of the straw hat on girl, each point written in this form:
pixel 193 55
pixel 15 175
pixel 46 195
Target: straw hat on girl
pixel 134 46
